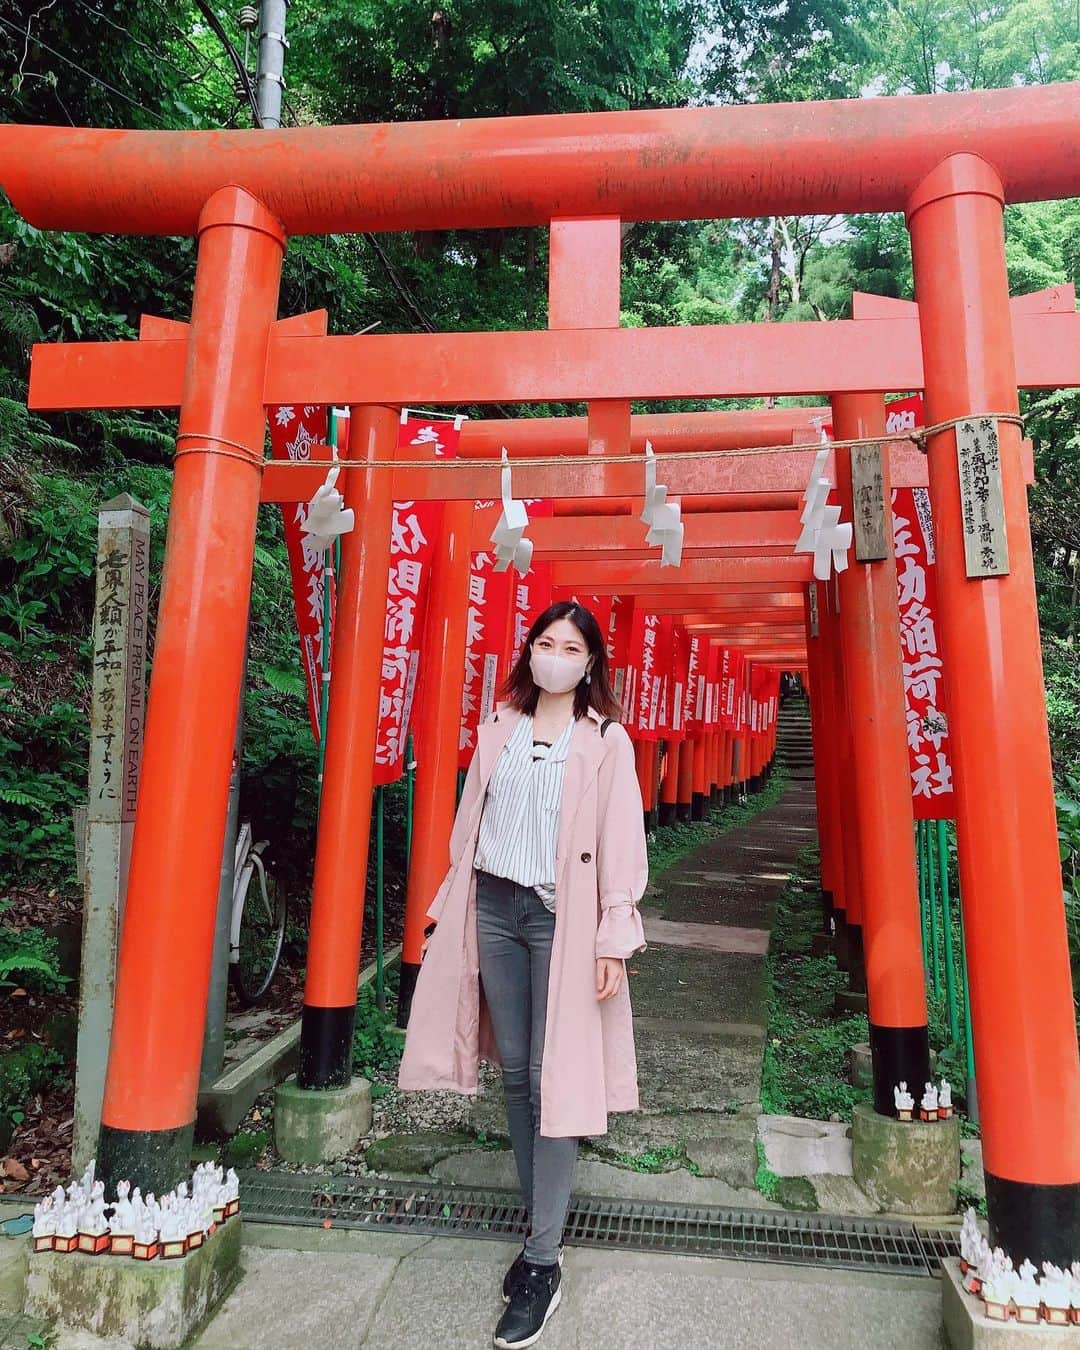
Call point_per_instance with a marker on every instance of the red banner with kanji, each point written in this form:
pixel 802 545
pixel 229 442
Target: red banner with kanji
pixel 490 595
pixel 694 683
pixel 618 647
pixel 293 431
pixel 414 531
pixel 532 595
pixel 674 720
pixel 647 662
pixel 923 667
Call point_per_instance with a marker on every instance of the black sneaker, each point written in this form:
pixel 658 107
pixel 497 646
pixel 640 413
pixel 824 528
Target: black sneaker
pixel 514 1273
pixel 534 1297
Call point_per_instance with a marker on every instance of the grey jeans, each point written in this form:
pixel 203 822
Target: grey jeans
pixel 514 931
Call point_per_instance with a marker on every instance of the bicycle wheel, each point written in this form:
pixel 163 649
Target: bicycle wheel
pixel 262 934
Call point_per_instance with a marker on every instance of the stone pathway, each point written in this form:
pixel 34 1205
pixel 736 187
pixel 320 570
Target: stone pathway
pixel 403 1293
pixel 700 1011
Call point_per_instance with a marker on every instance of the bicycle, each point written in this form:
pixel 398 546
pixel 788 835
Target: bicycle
pixel 257 926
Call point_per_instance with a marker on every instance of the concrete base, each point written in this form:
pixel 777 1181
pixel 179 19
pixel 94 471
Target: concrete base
pixel 225 1103
pixel 968 1328
pixel 906 1167
pixel 159 1304
pixel 861 1066
pixel 320 1125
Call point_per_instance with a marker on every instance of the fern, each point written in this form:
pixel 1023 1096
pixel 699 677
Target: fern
pixel 29 965
pixel 16 797
pixel 265 558
pixel 283 681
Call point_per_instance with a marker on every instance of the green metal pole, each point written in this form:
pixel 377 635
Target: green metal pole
pixel 921 869
pixel 946 908
pixel 380 991
pixel 969 1045
pixel 931 901
pixel 410 779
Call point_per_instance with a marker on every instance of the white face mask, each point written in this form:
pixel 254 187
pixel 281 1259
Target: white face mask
pixel 556 674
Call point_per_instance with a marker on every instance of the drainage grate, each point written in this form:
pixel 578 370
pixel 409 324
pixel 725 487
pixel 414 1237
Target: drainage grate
pixel 694 1230
pixel 938 1244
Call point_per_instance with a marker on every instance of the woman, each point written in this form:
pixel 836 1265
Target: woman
pixel 524 966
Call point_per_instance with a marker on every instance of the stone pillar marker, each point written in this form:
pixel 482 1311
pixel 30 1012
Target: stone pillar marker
pixel 117 710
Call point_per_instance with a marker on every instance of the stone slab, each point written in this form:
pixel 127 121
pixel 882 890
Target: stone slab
pixel 594 1177
pixel 728 1152
pixel 315 1126
pixel 682 984
pixel 906 1167
pixel 157 1304
pixel 414 1155
pixel 14 1254
pixel 705 936
pixel 795 1147
pixel 637 1300
pixel 695 1071
pixel 838 1193
pixel 861 1066
pixel 292 1299
pixel 971 1167
pixel 968 1328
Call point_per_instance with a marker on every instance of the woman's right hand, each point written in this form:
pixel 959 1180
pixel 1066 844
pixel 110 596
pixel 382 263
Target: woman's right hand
pixel 428 931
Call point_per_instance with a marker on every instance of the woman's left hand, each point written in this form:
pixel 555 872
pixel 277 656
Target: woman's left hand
pixel 609 976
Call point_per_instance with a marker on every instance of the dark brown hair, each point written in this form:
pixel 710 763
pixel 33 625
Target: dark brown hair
pixel 521 691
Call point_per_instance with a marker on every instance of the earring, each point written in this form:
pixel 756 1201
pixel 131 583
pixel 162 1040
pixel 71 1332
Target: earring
pixel 588 677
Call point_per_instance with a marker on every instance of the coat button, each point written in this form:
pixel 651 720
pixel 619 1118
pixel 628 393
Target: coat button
pixel 586 857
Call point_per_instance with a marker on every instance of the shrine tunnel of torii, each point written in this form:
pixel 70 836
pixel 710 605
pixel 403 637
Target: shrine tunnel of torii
pixel 950 163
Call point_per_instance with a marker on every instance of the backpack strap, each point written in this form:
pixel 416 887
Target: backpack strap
pixel 604 726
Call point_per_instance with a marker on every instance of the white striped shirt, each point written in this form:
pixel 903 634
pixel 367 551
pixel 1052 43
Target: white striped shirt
pixel 519 826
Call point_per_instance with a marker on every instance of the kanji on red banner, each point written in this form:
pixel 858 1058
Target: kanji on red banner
pixel 532 595
pixel 924 670
pixel 695 684
pixel 618 648
pixel 490 594
pixel 674 721
pixel 646 669
pixel 414 529
pixel 713 668
pixel 293 431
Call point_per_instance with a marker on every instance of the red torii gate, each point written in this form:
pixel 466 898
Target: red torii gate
pixel 949 162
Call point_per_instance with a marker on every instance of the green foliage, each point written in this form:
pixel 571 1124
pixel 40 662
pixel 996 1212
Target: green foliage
pixel 23 1072
pixel 30 954
pixel 804 1071
pixel 1068 814
pixel 663 1159
pixel 377 1044
pixel 150 64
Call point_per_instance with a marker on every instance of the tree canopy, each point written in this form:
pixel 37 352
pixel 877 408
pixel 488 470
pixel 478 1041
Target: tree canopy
pixel 154 63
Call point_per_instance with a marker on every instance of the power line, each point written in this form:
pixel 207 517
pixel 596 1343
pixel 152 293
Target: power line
pixel 153 51
pixel 82 70
pixel 234 56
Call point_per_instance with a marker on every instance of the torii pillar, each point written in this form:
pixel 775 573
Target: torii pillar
pixel 1010 878
pixel 881 800
pixel 164 967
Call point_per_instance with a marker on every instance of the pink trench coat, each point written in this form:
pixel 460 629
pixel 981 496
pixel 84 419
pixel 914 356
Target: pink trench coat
pixel 589 1066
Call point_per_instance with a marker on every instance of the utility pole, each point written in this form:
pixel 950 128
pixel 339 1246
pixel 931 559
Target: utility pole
pixel 269 83
pixel 269 91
